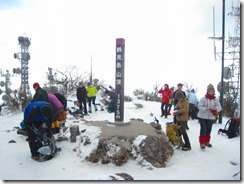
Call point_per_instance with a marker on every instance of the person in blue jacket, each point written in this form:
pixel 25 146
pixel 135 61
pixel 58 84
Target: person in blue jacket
pixel 38 117
pixel 193 103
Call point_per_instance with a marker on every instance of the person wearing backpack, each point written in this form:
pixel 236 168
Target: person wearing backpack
pixel 38 117
pixel 208 107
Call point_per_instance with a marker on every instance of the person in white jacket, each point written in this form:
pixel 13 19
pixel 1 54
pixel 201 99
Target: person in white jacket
pixel 208 107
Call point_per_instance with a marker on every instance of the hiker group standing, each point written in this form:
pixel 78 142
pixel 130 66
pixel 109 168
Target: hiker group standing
pixel 86 94
pixel 185 107
pixel 42 115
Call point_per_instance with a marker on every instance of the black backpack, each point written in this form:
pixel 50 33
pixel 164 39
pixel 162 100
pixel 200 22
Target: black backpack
pixel 231 128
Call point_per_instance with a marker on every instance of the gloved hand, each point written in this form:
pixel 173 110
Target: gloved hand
pixel 213 111
pixel 175 113
pixel 176 108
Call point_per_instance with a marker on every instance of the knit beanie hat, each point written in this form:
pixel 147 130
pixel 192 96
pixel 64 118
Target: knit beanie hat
pixel 210 88
pixel 81 83
pixel 36 85
pixel 179 94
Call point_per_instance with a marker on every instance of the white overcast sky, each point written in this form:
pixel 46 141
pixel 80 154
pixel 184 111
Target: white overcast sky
pixel 166 41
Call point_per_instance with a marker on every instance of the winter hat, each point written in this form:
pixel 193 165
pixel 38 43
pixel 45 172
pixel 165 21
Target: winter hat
pixel 179 94
pixel 81 83
pixel 46 111
pixel 36 85
pixel 210 88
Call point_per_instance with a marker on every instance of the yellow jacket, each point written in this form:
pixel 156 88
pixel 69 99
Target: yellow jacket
pixel 91 91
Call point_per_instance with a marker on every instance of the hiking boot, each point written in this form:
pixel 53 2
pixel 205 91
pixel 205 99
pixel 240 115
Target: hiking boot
pixel 90 110
pixel 36 158
pixel 202 146
pixel 208 144
pixel 179 144
pixel 44 158
pixel 186 148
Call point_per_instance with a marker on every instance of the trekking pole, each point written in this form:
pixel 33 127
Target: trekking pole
pixel 8 130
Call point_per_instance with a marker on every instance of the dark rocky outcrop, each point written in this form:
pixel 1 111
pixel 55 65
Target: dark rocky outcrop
pixel 119 149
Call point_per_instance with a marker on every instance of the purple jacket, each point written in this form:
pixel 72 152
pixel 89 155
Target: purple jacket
pixel 55 102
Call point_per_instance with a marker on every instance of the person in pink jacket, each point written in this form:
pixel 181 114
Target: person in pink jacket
pixel 55 102
pixel 58 108
pixel 166 94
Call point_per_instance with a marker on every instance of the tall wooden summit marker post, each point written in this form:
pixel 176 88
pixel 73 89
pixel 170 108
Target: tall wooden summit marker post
pixel 119 80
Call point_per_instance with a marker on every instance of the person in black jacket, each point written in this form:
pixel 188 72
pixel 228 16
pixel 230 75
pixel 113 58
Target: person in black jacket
pixel 81 95
pixel 179 88
pixel 40 95
pixel 112 98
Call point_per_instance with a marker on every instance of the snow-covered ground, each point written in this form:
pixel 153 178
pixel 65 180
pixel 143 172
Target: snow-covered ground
pixel 199 165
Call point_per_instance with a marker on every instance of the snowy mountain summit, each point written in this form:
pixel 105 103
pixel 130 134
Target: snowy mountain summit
pixel 77 161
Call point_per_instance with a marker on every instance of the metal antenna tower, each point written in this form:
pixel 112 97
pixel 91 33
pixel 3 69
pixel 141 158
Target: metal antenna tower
pixel 233 45
pixel 230 72
pixel 7 81
pixel 24 58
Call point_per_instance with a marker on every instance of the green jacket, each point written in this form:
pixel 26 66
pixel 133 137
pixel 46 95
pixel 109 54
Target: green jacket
pixel 183 112
pixel 91 91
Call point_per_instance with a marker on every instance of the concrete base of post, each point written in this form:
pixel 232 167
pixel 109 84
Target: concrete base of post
pixel 116 123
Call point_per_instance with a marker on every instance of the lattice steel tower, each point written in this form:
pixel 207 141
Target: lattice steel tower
pixel 229 87
pixel 24 57
pixel 233 45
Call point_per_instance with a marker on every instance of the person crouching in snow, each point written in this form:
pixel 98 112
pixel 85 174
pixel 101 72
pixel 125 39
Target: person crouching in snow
pixel 58 109
pixel 38 117
pixel 182 113
pixel 208 107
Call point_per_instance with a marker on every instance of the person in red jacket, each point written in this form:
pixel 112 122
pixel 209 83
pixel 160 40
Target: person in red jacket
pixel 166 94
